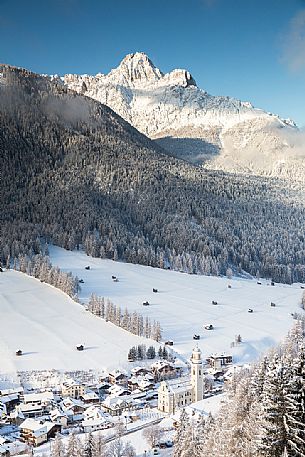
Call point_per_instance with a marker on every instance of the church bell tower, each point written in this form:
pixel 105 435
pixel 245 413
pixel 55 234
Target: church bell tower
pixel 197 374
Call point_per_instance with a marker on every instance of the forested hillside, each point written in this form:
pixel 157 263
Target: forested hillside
pixel 76 174
pixel 264 412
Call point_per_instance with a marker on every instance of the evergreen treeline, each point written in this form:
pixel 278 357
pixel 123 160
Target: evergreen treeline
pixel 77 175
pixel 264 415
pixel 41 268
pixel 132 322
pixel 140 353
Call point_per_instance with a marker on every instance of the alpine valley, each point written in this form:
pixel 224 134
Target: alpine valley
pixel 107 183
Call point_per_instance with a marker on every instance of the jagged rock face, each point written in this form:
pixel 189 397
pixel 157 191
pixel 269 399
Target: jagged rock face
pixel 219 132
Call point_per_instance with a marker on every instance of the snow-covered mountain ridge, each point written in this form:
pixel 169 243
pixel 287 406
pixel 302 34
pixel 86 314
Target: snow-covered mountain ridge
pixel 221 132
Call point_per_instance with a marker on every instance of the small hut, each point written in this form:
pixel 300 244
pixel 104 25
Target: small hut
pixel 80 347
pixel 19 352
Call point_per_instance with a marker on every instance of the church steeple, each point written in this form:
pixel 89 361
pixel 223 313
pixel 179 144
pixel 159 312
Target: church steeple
pixel 197 374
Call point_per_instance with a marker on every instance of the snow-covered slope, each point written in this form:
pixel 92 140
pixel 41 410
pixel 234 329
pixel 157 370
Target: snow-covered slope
pixel 222 132
pixel 47 325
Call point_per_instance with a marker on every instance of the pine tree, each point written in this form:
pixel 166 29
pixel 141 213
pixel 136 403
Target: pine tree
pixel 89 449
pixel 151 352
pixel 273 435
pixel 58 447
pixel 199 438
pixel 294 418
pixel 74 447
pixel 184 437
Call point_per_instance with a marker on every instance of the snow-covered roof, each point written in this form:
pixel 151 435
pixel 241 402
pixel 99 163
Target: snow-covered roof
pixel 37 427
pixel 8 398
pixel 143 384
pixel 95 422
pixel 56 413
pixel 112 402
pixel 43 397
pixel 178 385
pixel 93 412
pixel 28 407
pixel 117 374
pixel 90 396
pixel 69 402
pixel 159 364
pixel 207 406
pixel 136 370
pixel 10 391
pixel 116 391
pixel 220 355
pixel 71 383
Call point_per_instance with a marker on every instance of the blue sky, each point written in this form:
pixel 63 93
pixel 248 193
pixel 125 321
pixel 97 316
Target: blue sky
pixel 250 49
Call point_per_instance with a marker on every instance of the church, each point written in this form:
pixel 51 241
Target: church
pixel 178 393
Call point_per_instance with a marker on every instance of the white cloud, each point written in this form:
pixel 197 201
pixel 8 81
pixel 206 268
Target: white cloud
pixel 294 43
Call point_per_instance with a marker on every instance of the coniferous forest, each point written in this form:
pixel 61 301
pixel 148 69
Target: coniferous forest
pixel 75 174
pixel 264 412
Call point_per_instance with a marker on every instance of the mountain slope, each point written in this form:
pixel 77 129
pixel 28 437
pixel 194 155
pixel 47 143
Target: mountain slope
pixel 76 173
pixel 222 132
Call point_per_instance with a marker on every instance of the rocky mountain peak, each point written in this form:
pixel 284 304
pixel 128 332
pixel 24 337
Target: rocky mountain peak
pixel 220 132
pixel 136 69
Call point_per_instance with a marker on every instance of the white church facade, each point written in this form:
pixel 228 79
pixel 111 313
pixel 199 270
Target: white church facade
pixel 178 393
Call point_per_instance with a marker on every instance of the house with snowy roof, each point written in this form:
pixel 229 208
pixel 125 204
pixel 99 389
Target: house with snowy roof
pixel 116 405
pixel 41 398
pixel 178 393
pixel 118 377
pixel 96 419
pixel 118 391
pixel 37 432
pixel 14 390
pixel 89 397
pixel 141 383
pixel 162 369
pixel 30 410
pixel 73 408
pixel 219 361
pixel 8 402
pixel 58 416
pixel 140 371
pixel 72 388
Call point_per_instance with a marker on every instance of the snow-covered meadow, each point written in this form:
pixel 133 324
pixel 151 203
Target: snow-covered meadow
pixel 47 325
pixel 183 304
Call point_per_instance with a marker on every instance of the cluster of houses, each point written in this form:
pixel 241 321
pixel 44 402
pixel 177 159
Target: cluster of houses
pixel 178 393
pixel 39 414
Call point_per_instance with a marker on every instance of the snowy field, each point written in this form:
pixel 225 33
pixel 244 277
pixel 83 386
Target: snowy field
pixel 47 325
pixel 183 303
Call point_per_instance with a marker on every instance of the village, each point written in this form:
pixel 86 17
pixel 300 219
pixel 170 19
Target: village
pixel 107 379
pixel 86 403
